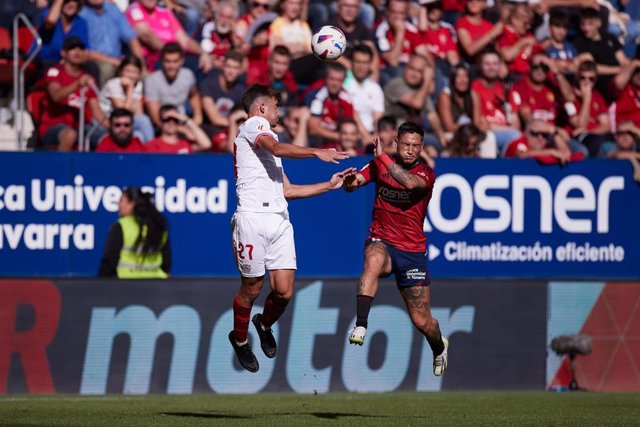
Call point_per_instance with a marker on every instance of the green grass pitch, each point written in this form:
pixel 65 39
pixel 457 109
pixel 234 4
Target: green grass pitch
pixel 344 409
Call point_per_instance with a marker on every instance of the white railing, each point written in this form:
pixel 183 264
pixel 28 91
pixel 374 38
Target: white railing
pixel 18 76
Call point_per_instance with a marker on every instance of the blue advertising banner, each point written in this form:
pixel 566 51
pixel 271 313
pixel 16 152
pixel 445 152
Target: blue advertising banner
pixel 91 336
pixel 487 218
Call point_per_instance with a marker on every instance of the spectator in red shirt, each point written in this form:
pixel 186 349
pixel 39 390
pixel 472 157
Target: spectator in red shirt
pixel 397 39
pixel 173 126
pixel 437 39
pixel 276 73
pixel 496 109
pixel 437 36
pixel 545 143
pixel 348 139
pixel 474 32
pixel 64 85
pixel 627 82
pixel 587 110
pixel 216 35
pixel 120 138
pixel 516 44
pixel 254 45
pixel 331 104
pixel 533 97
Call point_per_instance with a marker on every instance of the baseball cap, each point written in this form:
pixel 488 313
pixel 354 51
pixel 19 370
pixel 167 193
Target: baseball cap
pixel 72 43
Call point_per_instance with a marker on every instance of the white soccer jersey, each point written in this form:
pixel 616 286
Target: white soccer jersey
pixel 259 174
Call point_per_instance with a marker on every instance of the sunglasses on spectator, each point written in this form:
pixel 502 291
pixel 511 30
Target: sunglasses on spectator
pixel 170 119
pixel 121 124
pixel 479 1
pixel 543 67
pixel 590 78
pixel 265 6
pixel 538 134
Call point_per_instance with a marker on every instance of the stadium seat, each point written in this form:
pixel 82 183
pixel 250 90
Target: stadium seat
pixel 6 63
pixel 25 39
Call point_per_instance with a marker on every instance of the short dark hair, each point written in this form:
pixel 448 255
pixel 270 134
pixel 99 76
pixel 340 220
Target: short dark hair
pixel 587 66
pixel 172 47
pixel 589 13
pixel 362 48
pixel 255 92
pixel 346 121
pixel 386 121
pixel 234 55
pixel 281 50
pixel 410 127
pixel 336 66
pixel 120 112
pixel 166 107
pixel 488 51
pixel 559 18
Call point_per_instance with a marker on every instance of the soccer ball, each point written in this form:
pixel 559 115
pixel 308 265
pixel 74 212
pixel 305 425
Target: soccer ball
pixel 328 43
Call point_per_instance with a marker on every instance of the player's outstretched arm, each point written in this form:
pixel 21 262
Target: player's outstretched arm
pixel 290 151
pixel 353 182
pixel 400 174
pixel 293 191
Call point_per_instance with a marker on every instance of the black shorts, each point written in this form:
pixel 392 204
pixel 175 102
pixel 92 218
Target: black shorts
pixel 409 268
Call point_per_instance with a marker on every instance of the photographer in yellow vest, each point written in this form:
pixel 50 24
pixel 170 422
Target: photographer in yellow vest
pixel 138 244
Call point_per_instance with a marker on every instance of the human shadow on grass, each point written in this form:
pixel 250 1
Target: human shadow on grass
pixel 206 415
pixel 324 415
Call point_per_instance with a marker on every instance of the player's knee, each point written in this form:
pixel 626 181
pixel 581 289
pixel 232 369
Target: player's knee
pixel 285 296
pixel 422 321
pixel 250 290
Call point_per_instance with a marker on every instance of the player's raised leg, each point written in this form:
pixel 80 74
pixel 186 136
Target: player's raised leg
pixel 376 263
pixel 281 292
pixel 242 304
pixel 417 299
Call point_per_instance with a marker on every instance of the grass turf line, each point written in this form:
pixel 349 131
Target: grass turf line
pixel 345 409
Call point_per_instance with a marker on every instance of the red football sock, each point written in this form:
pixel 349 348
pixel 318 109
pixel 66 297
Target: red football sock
pixel 241 317
pixel 274 306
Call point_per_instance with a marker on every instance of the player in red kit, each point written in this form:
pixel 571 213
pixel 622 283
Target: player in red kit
pixel 397 244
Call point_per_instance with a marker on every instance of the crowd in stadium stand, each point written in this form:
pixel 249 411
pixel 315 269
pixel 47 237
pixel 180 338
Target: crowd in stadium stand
pixel 555 80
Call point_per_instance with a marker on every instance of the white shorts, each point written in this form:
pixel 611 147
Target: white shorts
pixel 262 241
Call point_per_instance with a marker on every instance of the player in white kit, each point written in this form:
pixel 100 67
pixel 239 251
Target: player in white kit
pixel 261 232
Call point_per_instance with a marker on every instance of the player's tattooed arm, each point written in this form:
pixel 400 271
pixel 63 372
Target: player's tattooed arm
pixel 406 179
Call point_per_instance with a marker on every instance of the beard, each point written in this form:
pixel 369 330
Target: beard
pixel 223 30
pixel 122 140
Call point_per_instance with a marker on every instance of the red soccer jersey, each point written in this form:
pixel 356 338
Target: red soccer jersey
pixel 330 110
pixel 492 99
pixel 107 145
pixel 598 106
pixel 157 145
pixel 520 64
pixel 628 105
pixel 385 38
pixel 439 42
pixel 541 102
pixel 398 213
pixel 520 145
pixel 457 5
pixel 476 31
pixel 212 42
pixel 260 74
pixel 67 110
